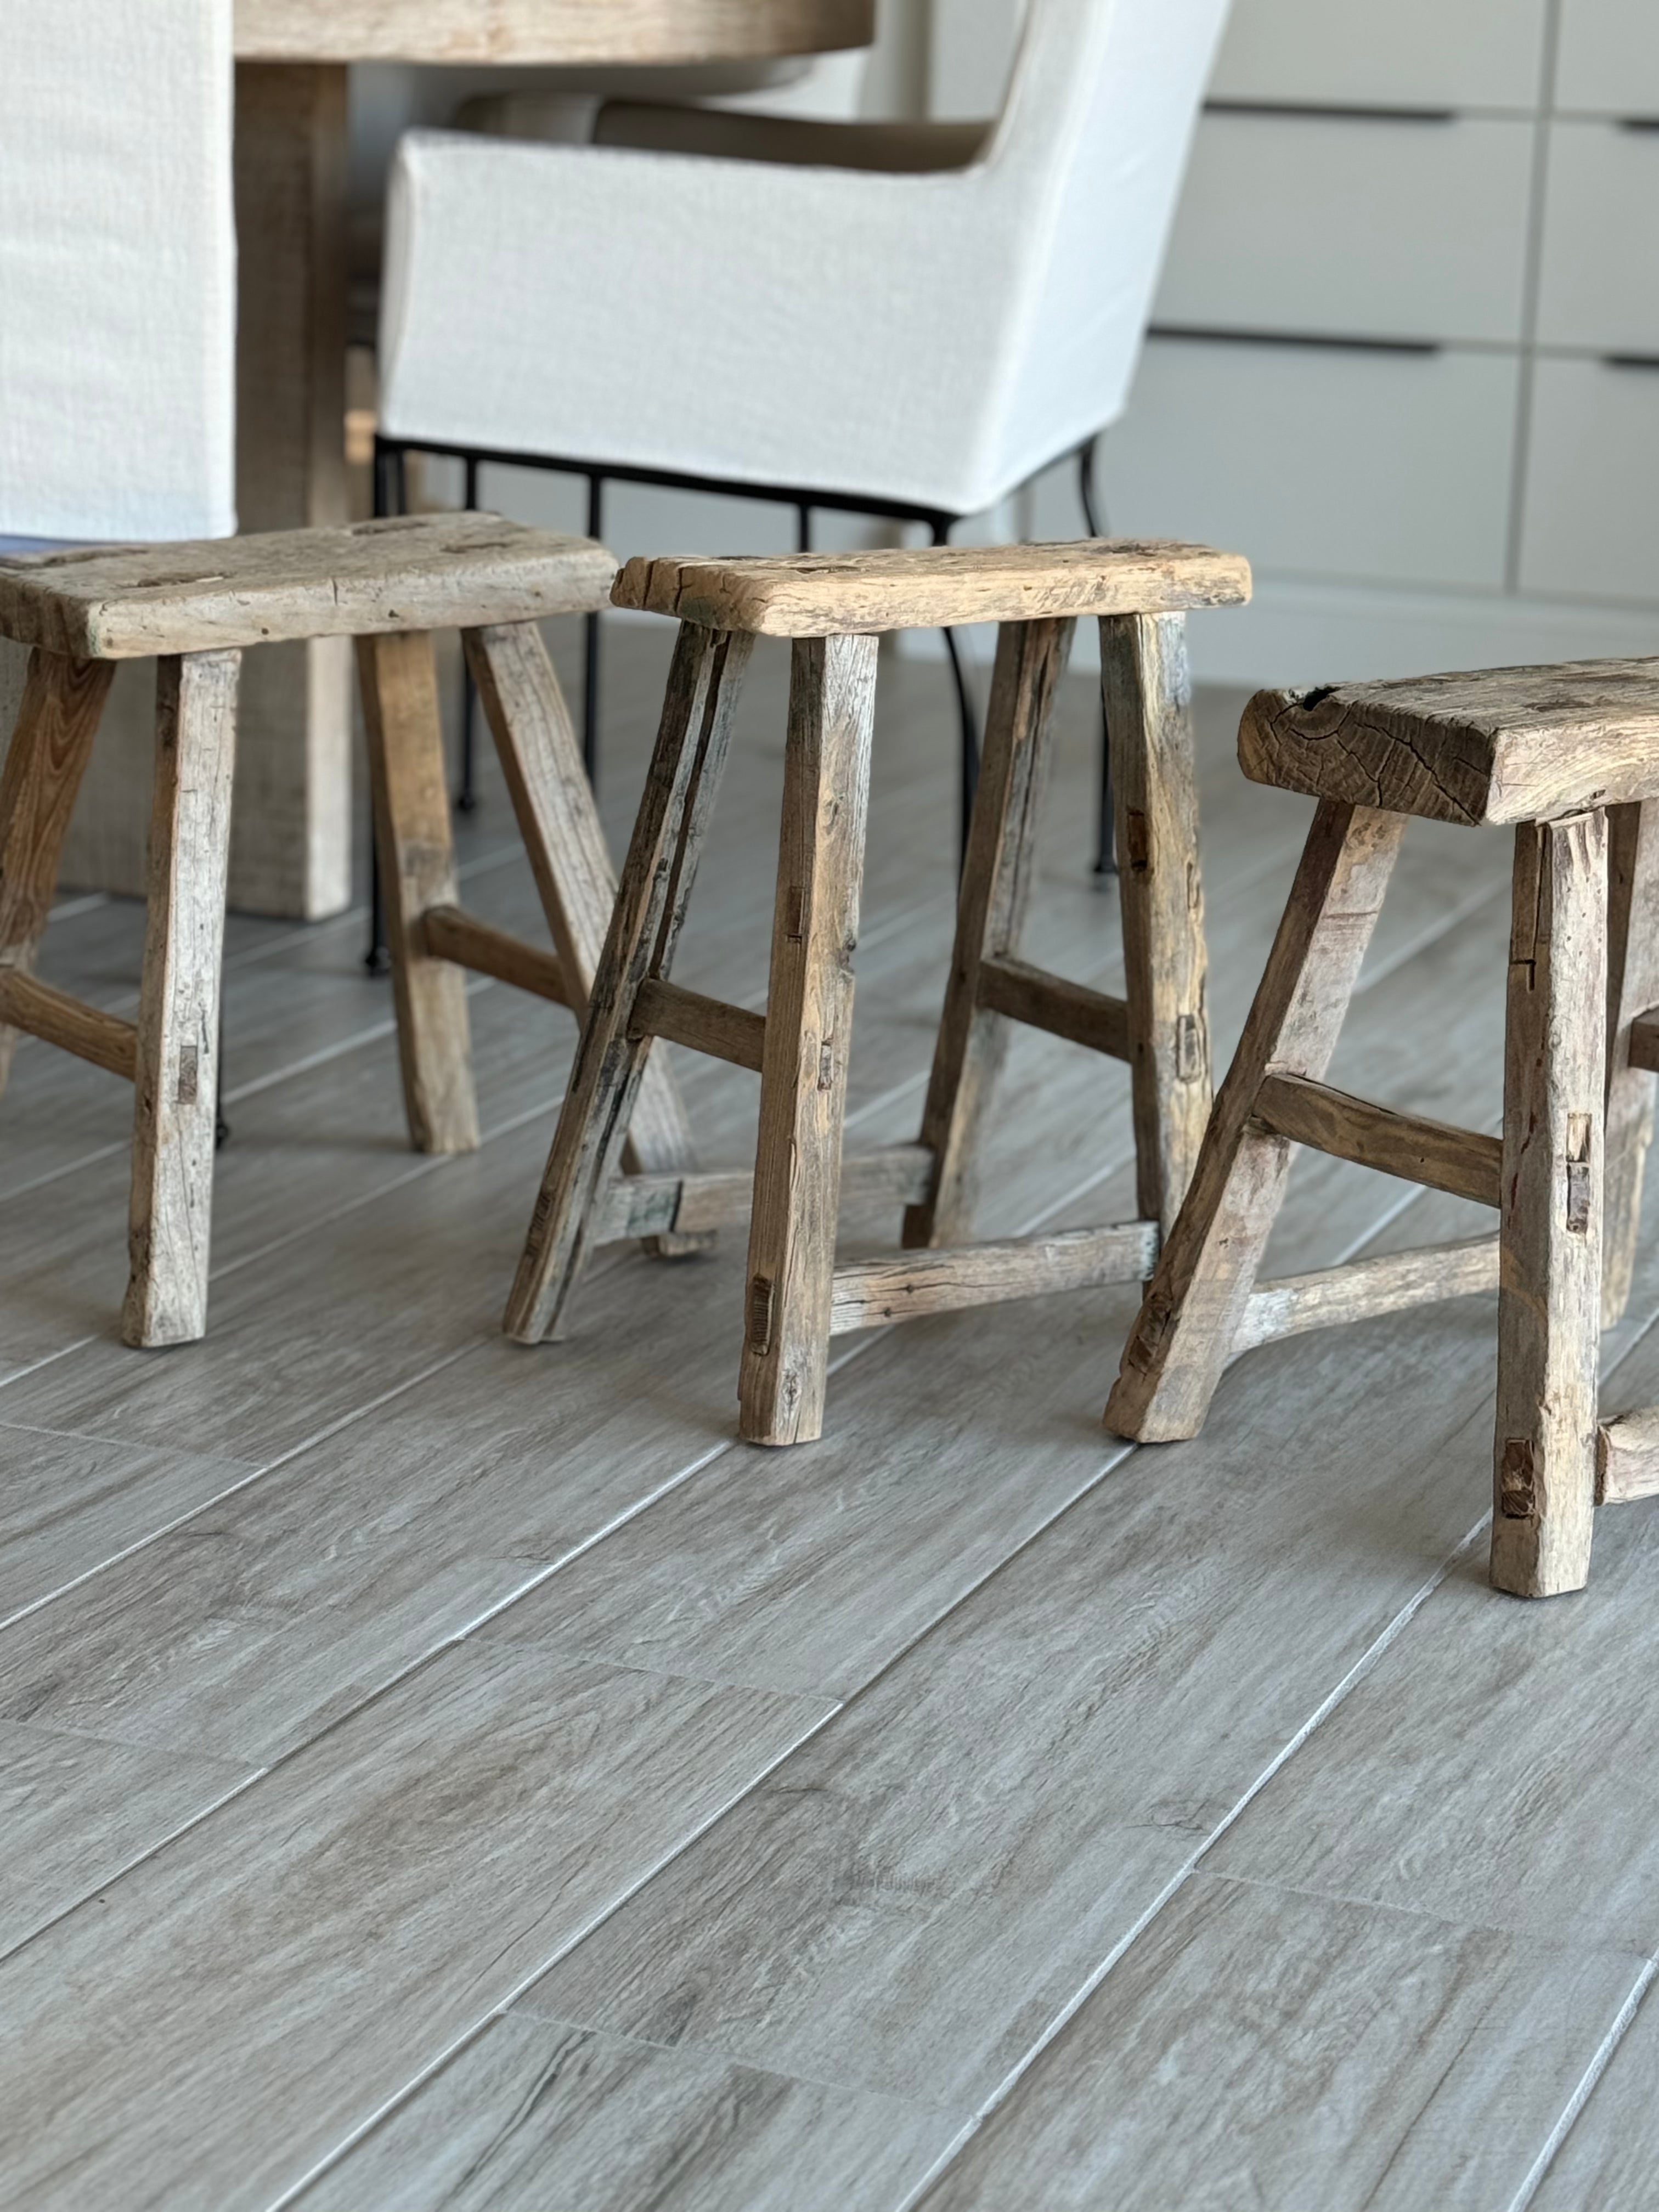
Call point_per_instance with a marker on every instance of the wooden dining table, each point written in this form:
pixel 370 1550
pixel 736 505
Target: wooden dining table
pixel 293 846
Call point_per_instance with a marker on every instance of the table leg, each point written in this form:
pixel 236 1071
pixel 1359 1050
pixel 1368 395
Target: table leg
pixel 291 844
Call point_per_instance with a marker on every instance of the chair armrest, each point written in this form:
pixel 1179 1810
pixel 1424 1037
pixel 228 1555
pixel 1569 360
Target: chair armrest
pixel 718 318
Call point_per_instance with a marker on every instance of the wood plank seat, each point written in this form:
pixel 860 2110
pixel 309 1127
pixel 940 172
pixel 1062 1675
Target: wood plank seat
pixel 934 587
pixel 416 571
pixel 834 607
pixel 195 607
pixel 1571 757
pixel 1504 744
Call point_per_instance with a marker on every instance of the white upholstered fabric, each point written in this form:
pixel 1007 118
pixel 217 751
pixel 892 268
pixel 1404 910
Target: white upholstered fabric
pixel 931 338
pixel 118 270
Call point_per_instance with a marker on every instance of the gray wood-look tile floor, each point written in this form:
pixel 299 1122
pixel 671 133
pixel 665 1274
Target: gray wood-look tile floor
pixel 436 1774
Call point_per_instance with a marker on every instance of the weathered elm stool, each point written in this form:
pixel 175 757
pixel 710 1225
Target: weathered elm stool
pixel 1570 755
pixel 834 609
pixel 388 584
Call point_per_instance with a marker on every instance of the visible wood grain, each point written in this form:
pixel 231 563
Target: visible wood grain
pixel 995 892
pixel 1549 1299
pixel 644 1206
pixel 51 745
pixel 27 1004
pixel 1411 1146
pixel 1260 2047
pixel 915 1896
pixel 249 1962
pixel 75 1811
pixel 933 587
pixel 809 1038
pixel 542 763
pixel 1146 693
pixel 826 1562
pixel 68 1503
pixel 904 1286
pixel 1516 1798
pixel 1064 1009
pixel 409 782
pixel 714 1026
pixel 1504 744
pixel 1632 989
pixel 449 932
pixel 556 32
pixel 176 1067
pixel 1198 1297
pixel 415 572
pixel 1360 1290
pixel 646 920
pixel 1627 1456
pixel 536 2113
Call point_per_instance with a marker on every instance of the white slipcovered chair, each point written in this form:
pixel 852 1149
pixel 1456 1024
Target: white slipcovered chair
pixel 118 280
pixel 901 320
pixel 117 271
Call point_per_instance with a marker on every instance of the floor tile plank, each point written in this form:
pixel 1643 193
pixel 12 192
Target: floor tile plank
pixel 337 1927
pixel 539 2114
pixel 1257 2047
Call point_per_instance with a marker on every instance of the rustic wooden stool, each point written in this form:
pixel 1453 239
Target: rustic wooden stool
pixel 388 584
pixel 834 609
pixel 1570 755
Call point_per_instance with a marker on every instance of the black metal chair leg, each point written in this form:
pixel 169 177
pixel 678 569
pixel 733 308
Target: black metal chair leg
pixel 221 1127
pixel 1106 834
pixel 467 798
pixel 969 714
pixel 390 496
pixel 591 644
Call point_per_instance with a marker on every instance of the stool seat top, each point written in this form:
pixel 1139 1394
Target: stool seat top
pixel 406 573
pixel 934 587
pixel 1497 744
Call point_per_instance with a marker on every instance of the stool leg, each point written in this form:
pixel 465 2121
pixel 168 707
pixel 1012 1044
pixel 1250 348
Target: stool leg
pixel 1196 1299
pixel 49 747
pixel 809 1022
pixel 1148 704
pixel 413 839
pixel 177 1072
pixel 645 926
pixel 542 763
pixel 1632 991
pixel 1550 1281
pixel 995 891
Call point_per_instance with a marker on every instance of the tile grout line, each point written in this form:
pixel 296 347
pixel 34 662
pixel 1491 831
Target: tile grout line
pixel 1598 2065
pixel 470 2035
pixel 1362 1666
pixel 253 1474
pixel 688 1473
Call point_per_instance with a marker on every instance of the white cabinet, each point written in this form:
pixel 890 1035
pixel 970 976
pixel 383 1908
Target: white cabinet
pixel 1385 54
pixel 1609 57
pixel 1361 227
pixel 1321 460
pixel 1599 284
pixel 1592 508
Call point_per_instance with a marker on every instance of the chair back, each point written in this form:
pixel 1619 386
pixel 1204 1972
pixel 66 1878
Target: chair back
pixel 117 271
pixel 1087 162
